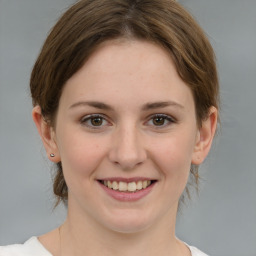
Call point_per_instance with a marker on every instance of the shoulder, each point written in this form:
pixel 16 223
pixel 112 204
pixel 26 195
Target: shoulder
pixel 194 251
pixel 31 247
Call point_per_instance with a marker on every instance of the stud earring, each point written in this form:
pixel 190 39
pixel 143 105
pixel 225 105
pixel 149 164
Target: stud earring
pixel 52 155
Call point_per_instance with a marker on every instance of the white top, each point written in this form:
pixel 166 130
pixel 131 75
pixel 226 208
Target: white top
pixel 33 247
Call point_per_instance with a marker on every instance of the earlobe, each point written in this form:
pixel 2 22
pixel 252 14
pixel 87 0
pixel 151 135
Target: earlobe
pixel 47 135
pixel 205 137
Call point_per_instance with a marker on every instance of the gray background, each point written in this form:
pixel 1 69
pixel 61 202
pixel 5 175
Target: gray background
pixel 222 220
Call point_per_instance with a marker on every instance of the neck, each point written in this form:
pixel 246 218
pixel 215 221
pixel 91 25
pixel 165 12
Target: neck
pixel 81 234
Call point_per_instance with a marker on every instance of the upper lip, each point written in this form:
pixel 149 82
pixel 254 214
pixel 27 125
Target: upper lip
pixel 132 179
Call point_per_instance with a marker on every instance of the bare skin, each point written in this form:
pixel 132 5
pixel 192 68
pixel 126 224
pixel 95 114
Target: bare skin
pixel 126 114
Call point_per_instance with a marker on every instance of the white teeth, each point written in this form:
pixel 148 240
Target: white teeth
pixel 124 186
pixel 144 184
pixel 109 184
pixel 132 186
pixel 139 185
pixel 115 185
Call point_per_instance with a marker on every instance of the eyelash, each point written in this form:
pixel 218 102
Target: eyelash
pixel 86 119
pixel 89 118
pixel 165 118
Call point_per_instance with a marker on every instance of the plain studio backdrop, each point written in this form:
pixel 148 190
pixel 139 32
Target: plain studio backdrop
pixel 222 220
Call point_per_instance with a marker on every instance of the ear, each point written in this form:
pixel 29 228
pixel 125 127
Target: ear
pixel 205 137
pixel 47 135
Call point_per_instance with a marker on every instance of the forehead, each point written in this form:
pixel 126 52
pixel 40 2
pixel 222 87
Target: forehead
pixel 127 69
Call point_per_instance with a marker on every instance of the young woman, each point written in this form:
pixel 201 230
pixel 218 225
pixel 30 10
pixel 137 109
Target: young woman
pixel 125 96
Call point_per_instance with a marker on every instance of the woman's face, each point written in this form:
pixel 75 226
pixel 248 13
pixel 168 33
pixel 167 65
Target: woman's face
pixel 126 120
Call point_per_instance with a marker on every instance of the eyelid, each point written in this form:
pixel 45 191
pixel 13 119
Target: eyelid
pixel 86 118
pixel 169 118
pixel 164 116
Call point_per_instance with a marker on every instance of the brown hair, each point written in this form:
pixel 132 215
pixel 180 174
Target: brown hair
pixel 88 23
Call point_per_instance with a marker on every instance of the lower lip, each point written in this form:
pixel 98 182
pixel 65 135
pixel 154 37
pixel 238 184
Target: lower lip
pixel 127 196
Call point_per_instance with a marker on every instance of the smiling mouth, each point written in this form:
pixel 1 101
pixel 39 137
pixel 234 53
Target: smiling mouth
pixel 127 186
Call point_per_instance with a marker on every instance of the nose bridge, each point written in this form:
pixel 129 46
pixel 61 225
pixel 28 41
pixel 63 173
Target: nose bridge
pixel 127 149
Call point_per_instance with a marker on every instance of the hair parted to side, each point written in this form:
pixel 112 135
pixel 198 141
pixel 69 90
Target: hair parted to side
pixel 88 23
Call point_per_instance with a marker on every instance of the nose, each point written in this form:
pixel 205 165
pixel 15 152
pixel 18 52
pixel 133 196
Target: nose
pixel 127 149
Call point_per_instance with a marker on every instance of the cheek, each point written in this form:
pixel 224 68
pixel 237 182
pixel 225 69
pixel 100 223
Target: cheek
pixel 80 155
pixel 173 155
pixel 173 161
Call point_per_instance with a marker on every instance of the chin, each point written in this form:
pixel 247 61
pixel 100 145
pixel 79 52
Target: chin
pixel 129 222
pixel 128 228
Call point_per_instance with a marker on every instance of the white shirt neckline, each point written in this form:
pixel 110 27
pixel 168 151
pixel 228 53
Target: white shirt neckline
pixel 34 247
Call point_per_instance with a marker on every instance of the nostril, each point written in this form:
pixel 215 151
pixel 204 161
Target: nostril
pixel 127 152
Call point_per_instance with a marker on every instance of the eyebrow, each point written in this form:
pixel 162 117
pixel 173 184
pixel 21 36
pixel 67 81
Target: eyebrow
pixel 164 104
pixel 95 104
pixel 145 107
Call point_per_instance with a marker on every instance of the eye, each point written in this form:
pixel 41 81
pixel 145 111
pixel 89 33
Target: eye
pixel 94 121
pixel 160 120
